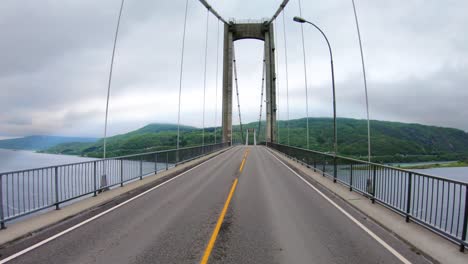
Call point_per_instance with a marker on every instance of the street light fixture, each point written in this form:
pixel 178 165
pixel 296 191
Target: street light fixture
pixel 302 20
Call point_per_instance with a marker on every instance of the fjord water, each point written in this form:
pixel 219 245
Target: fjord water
pixel 12 160
pixel 455 173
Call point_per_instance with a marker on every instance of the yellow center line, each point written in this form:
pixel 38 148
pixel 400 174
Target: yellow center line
pixel 212 241
pixel 210 246
pixel 246 153
pixel 243 160
pixel 242 165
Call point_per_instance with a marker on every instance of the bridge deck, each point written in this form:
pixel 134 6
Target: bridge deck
pixel 274 217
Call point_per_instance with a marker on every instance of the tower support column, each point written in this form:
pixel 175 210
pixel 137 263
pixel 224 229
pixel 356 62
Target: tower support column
pixel 264 32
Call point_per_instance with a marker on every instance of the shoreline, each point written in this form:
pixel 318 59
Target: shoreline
pixel 434 165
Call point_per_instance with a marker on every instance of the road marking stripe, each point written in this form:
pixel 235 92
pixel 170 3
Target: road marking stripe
pixel 242 165
pixel 372 234
pixel 244 159
pixel 212 241
pixel 45 241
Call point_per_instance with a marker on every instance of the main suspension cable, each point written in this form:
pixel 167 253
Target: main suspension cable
pixel 216 92
pixel 305 75
pixel 287 74
pixel 181 72
pixel 110 79
pixel 237 91
pixel 261 99
pixel 204 78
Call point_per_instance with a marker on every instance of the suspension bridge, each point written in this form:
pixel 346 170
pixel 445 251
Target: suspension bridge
pixel 226 202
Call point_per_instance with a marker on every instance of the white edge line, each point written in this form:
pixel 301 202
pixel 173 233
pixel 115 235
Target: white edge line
pixel 45 241
pixel 372 234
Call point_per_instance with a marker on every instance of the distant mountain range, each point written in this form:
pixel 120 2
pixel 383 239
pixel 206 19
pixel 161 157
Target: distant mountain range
pixel 41 142
pixel 391 141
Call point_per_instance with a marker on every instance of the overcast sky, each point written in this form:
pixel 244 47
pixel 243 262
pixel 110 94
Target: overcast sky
pixel 55 55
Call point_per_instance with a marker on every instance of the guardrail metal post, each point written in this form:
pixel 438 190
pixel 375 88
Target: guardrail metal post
pixel 155 163
pixel 121 172
pixel 351 177
pixel 2 216
pixel 167 160
pixel 315 165
pixel 141 168
pixel 323 169
pixel 94 180
pixel 57 207
pixel 465 220
pixel 408 199
pixel 373 184
pixel 335 171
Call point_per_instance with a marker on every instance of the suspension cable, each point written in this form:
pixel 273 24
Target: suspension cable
pixel 211 9
pixel 237 91
pixel 287 74
pixel 277 88
pixel 305 75
pixel 110 79
pixel 216 92
pixel 181 72
pixel 365 85
pixel 280 9
pixel 204 78
pixel 261 99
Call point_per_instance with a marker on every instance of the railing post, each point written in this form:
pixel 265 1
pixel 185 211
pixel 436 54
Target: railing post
pixel 465 220
pixel 408 196
pixel 141 168
pixel 167 160
pixel 315 165
pixel 2 215
pixel 323 169
pixel 351 177
pixel 121 172
pixel 335 171
pixel 94 179
pixel 373 184
pixel 155 163
pixel 57 200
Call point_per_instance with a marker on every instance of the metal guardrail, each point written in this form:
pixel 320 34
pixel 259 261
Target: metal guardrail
pixel 26 192
pixel 439 204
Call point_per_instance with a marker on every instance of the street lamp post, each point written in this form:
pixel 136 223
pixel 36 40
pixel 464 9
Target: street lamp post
pixel 335 142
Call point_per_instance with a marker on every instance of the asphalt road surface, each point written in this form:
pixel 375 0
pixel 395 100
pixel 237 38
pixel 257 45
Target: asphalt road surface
pixel 273 216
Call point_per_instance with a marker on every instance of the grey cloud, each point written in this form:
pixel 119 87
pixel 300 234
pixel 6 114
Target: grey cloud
pixel 55 61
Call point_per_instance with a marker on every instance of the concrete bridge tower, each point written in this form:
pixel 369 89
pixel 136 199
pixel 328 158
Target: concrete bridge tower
pixel 237 31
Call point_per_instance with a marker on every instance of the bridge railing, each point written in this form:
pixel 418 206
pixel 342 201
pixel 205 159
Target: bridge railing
pixel 26 192
pixel 439 204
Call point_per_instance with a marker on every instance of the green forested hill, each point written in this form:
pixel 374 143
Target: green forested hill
pixel 391 141
pixel 149 138
pixel 388 138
